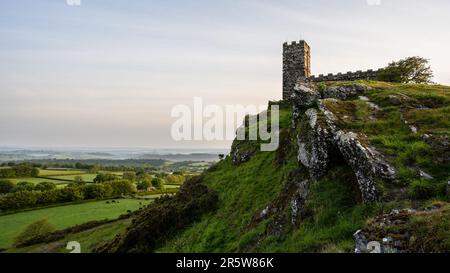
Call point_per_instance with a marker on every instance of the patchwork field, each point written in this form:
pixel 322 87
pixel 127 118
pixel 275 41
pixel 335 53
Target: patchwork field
pixel 58 172
pixel 65 216
pixel 60 177
pixel 37 180
pixel 87 177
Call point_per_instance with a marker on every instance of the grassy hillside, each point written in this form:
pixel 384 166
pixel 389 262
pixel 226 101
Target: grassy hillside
pixel 334 211
pixel 273 202
pixel 88 239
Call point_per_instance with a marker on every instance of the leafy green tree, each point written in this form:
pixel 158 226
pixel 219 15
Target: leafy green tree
pixel 38 228
pixel 23 186
pixel 94 169
pixel 409 70
pixel 18 200
pixel 122 187
pixel 99 191
pixel 158 183
pixel 6 186
pixel 104 177
pixel 48 197
pixel 69 194
pixel 45 186
pixel 175 179
pixel 129 176
pixel 144 184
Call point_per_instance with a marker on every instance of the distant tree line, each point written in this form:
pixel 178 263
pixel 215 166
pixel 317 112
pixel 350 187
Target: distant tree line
pixel 19 170
pixel 28 197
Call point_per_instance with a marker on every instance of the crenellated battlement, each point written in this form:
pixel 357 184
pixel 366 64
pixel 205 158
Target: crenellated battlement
pixel 349 76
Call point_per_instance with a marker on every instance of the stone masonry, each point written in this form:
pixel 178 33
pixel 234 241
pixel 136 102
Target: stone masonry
pixel 296 64
pixel 297 67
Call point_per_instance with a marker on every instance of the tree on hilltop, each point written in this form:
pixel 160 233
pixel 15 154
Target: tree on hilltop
pixel 410 70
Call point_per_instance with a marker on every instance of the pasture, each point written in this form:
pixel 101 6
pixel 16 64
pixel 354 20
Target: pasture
pixel 59 172
pixel 65 216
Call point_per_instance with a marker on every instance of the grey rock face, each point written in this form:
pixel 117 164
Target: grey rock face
pixel 367 164
pixel 298 201
pixel 315 146
pixel 360 242
pixel 305 94
pixel 344 92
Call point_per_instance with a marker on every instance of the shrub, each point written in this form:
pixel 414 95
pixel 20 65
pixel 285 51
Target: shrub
pixel 45 186
pixel 23 186
pixel 164 218
pixel 18 200
pixel 122 187
pixel 48 197
pixel 158 183
pixel 38 228
pixel 104 177
pixel 98 191
pixel 6 186
pixel 71 194
pixel 422 189
pixel 19 170
pixel 175 179
pixel 144 184
pixel 129 176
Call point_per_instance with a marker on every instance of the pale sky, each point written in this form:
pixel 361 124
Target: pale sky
pixel 108 72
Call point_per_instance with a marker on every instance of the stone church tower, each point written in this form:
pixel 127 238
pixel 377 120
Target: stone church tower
pixel 296 64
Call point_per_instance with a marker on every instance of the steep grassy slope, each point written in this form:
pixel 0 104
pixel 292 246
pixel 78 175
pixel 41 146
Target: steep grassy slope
pixel 405 122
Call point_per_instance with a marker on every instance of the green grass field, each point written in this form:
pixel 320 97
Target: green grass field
pixel 171 186
pixel 87 177
pixel 59 172
pixel 88 239
pixel 64 216
pixel 36 180
pixel 50 175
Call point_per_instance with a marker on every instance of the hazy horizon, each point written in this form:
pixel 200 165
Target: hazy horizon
pixel 107 73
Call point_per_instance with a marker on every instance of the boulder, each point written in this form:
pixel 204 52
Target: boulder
pixel 315 146
pixel 305 94
pixel 344 92
pixel 367 164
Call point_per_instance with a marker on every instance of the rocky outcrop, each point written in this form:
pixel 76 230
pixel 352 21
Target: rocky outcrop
pixel 367 164
pixel 315 145
pixel 344 92
pixel 405 231
pixel 305 94
pixel 322 137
